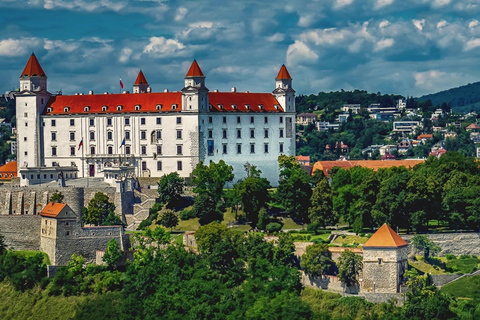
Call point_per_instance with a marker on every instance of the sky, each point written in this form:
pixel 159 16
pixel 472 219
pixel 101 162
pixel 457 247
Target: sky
pixel 407 47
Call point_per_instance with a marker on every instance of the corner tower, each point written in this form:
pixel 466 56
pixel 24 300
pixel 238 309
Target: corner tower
pixel 283 92
pixel 384 261
pixel 194 94
pixel 141 85
pixel 30 102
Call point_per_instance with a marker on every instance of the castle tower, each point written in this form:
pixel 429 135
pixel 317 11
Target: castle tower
pixel 141 84
pixel 30 102
pixel 384 261
pixel 194 94
pixel 283 90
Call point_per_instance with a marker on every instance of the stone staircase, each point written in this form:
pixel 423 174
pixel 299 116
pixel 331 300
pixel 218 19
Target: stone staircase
pixel 143 202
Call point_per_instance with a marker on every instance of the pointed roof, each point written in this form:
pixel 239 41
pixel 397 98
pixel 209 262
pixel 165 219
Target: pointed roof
pixel 33 68
pixel 385 237
pixel 52 209
pixel 194 70
pixel 140 79
pixel 283 74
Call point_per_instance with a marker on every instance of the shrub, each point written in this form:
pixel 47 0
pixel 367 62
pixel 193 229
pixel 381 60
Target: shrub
pixel 187 214
pixel 450 256
pixel 464 256
pixel 273 227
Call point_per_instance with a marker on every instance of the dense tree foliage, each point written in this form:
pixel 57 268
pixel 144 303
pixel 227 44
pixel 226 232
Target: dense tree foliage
pixel 170 189
pixel 57 197
pixel 317 260
pixel 349 267
pixel 100 211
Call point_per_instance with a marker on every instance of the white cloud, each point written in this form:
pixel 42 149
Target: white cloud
pixel 419 24
pixel 382 3
pixel 277 37
pixel 306 20
pixel 125 54
pixel 338 4
pixel 440 3
pixel 473 24
pixel 82 5
pixel 181 13
pixel 384 44
pixel 472 43
pixel 384 24
pixel 66 46
pixel 18 47
pixel 441 24
pixel 162 48
pixel 299 52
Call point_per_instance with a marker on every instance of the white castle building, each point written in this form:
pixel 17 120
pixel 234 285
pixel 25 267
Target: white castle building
pixel 146 133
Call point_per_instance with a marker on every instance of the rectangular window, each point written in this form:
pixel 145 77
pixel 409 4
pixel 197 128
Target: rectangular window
pixel 281 119
pixel 179 120
pixel 127 150
pixel 266 133
pixel 265 147
pixel 159 165
pixel 210 119
pixel 281 133
pixel 252 120
pixel 239 134
pixel 179 134
pixel 25 114
pixel 159 121
pixel 144 165
pixel 252 133
pixel 159 149
pixel 239 148
pixel 179 165
pixel 142 121
pixel 143 135
pixel 92 135
pixel 54 123
pixel 224 119
pixel 109 135
pixel 266 119
pixel 91 122
pixel 110 150
pixel 210 134
pixel 252 148
pixel 127 121
pixel 26 124
pixel 281 147
pixel 210 147
pixel 54 151
pixel 159 134
pixel 144 149
pixel 224 147
pixel 54 136
pixel 72 122
pixel 72 151
pixel 72 136
pixel 224 133
pixel 109 121
pixel 179 149
pixel 238 120
pixel 127 135
pixel 92 150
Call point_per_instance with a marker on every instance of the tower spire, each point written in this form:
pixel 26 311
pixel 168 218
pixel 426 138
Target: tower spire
pixel 33 78
pixel 33 68
pixel 141 84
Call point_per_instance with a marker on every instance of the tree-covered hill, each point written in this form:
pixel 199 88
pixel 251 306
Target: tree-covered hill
pixel 461 99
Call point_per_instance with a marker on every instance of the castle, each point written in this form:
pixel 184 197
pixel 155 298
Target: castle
pixel 147 134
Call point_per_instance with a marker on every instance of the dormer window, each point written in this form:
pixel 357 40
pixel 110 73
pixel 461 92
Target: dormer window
pixel 174 106
pixel 119 108
pixel 220 106
pixel 66 109
pixel 159 107
pixel 86 108
pixel 137 107
pixel 104 108
pixel 260 106
pixel 49 109
pixel 247 106
pixel 234 106
pixel 276 107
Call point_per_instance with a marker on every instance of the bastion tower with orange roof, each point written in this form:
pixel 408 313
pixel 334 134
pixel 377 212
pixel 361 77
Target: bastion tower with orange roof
pixel 384 261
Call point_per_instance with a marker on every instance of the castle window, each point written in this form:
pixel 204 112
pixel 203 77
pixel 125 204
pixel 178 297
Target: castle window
pixel 158 107
pixel 54 136
pixel 72 151
pixel 281 147
pixel 220 106
pixel 210 119
pixel 49 109
pixel 86 109
pixel 266 133
pixel 72 122
pixel 179 120
pixel 159 165
pixel 127 121
pixel 179 149
pixel 224 148
pixel 239 134
pixel 174 106
pixel 110 150
pixel 54 151
pixel 143 135
pixel 252 133
pixel 281 133
pixel 247 106
pixel 179 134
pixel 92 150
pixel 104 108
pixel 25 114
pixel 159 134
pixel 159 149
pixel 72 136
pixel 142 121
pixel 127 149
pixel 224 134
pixel 137 107
pixel 92 135
pixel 281 119
pixel 252 120
pixel 234 106
pixel 119 108
pixel 210 134
pixel 260 106
pixel 53 123
pixel 224 119
pixel 159 120
pixel 66 109
pixel 109 135
pixel 252 148
pixel 265 147
pixel 379 260
pixel 179 166
pixel 109 121
pixel 26 124
pixel 127 135
pixel 266 120
pixel 144 149
pixel 239 148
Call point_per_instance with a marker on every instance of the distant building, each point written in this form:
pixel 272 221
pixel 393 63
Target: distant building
pixel 8 171
pixel 406 126
pixel 303 160
pixel 325 126
pixel 401 104
pixel 473 127
pixel 306 119
pixel 437 153
pixel 343 117
pixel 355 108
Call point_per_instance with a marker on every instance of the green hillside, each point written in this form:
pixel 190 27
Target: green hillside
pixel 461 99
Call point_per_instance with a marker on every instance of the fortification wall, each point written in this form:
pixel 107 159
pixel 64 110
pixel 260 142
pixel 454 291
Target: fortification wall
pixel 21 232
pixel 454 243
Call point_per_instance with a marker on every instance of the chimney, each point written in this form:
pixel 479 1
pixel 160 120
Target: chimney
pixel 234 89
pixel 216 90
pixel 166 90
pixel 90 92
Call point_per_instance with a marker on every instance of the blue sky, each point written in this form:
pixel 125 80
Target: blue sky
pixel 409 47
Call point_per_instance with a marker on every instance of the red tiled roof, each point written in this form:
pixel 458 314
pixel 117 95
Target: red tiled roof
pixel 473 126
pixel 147 101
pixel 438 152
pixel 256 102
pixel 140 79
pixel 52 209
pixel 385 237
pixel 283 73
pixel 33 68
pixel 9 170
pixel 194 70
pixel 303 158
pixel 425 136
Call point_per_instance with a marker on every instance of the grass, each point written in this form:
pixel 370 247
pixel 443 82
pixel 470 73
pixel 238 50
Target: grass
pixel 288 223
pixel 28 254
pixel 462 265
pixel 465 288
pixel 425 267
pixel 305 237
pixel 349 240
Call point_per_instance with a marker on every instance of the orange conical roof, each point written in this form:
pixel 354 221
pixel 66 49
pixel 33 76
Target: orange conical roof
pixel 33 68
pixel 140 79
pixel 194 70
pixel 385 237
pixel 283 73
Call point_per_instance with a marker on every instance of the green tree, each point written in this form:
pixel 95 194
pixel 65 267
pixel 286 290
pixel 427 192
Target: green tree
pixel 208 235
pixel 321 211
pixel 317 260
pixel 112 254
pixel 423 243
pixel 263 219
pixel 57 197
pixel 170 189
pixel 168 219
pixel 100 210
pixel 349 266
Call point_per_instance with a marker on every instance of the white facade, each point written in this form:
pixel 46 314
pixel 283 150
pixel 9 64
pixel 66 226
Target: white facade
pixel 155 133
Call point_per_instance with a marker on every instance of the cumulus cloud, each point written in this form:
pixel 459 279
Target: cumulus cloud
pixel 384 44
pixel 382 3
pixel 161 47
pixel 472 44
pixel 419 24
pixel 299 52
pixel 18 47
pixel 277 37
pixel 339 4
pixel 181 13
pixel 125 55
pixel 82 5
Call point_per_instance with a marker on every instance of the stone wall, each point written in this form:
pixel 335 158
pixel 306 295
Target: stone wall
pixel 454 243
pixel 442 279
pixel 21 232
pixel 331 283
